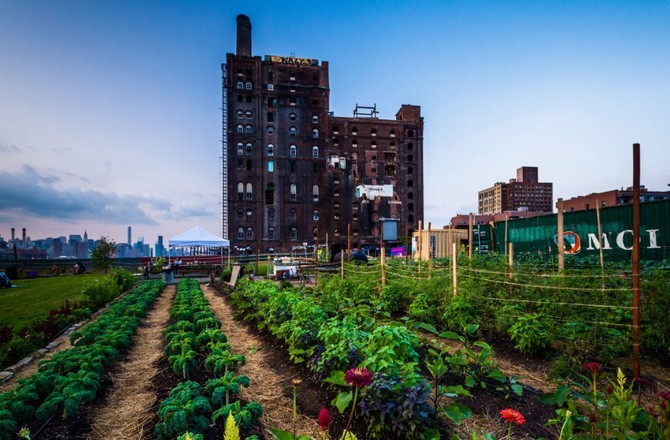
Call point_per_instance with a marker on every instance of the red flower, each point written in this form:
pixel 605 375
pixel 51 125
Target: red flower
pixel 665 395
pixel 664 404
pixel 358 377
pixel 512 416
pixel 592 418
pixel 609 389
pixel 641 381
pixel 324 419
pixel 592 367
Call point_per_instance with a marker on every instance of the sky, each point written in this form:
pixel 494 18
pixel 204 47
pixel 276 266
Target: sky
pixel 110 110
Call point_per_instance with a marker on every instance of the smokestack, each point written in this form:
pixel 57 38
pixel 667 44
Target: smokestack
pixel 243 35
pixel 23 234
pixel 130 242
pixel 13 235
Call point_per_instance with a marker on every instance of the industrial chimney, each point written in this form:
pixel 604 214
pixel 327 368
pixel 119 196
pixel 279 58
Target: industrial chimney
pixel 23 241
pixel 13 236
pixel 243 35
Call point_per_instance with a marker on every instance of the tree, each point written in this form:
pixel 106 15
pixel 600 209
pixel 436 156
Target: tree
pixel 101 257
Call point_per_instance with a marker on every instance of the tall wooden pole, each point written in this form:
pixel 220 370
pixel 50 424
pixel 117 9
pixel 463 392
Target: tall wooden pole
pixel 561 248
pixel 454 267
pixel 407 241
pixel 506 221
pixel 511 267
pixel 600 248
pixel 348 242
pixel 382 255
pixel 636 260
pixel 470 226
pixel 418 245
pixel 316 258
pixel 430 253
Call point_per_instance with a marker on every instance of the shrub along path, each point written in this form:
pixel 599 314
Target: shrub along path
pixel 269 387
pixel 130 405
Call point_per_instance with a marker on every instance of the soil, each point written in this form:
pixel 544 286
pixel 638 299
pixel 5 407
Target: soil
pixel 132 391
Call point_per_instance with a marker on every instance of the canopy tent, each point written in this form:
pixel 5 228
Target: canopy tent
pixel 198 236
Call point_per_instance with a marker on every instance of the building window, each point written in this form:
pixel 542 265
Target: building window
pixel 410 206
pixel 271 129
pixel 271 166
pixel 410 183
pixel 373 132
pixel 315 193
pixel 271 233
pixel 410 195
pixel 315 232
pixel 240 129
pixel 315 133
pixel 294 192
pixel 240 190
pixel 271 214
pixel 249 114
pixel 293 117
pixel 410 146
pixel 240 85
pixel 250 191
pixel 240 114
pixel 239 98
pixel 410 170
pixel 410 158
pixel 250 233
pixel 292 151
pixel 292 102
pixel 240 214
pixel 271 150
pixel 392 133
pixel 315 119
pixel 240 164
pixel 271 117
pixel 315 166
pixel 293 215
pixel 248 85
pixel 271 87
pixel 315 215
pixel 272 102
pixel 354 143
pixel 410 218
pixel 270 195
pixel 250 149
pixel 410 133
pixel 292 131
pixel 315 151
pixel 249 99
pixel 336 216
pixel 294 166
pixel 249 129
pixel 240 149
pixel 240 233
pixel 354 131
pixel 373 144
pixel 249 213
pixel 336 130
pixel 249 165
pixel 294 234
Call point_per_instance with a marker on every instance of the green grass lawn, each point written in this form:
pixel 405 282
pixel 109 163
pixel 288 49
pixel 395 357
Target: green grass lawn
pixel 32 298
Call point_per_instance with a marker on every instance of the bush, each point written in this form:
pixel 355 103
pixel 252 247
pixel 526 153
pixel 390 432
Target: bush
pixel 100 292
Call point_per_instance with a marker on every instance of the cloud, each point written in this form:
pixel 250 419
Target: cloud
pixel 9 149
pixel 31 193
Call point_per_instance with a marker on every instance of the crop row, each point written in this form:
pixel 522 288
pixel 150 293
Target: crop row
pixel 72 377
pixel 198 353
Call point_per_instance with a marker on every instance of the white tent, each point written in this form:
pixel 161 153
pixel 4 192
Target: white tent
pixel 198 236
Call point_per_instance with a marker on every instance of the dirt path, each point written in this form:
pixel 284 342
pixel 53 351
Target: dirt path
pixel 267 387
pixel 128 406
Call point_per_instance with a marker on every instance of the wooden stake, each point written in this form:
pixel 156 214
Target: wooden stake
pixel 430 253
pixel 407 242
pixel 506 220
pixel 383 263
pixel 418 245
pixel 316 258
pixel 636 260
pixel 511 267
pixel 348 242
pixel 454 267
pixel 600 248
pixel 470 226
pixel 561 248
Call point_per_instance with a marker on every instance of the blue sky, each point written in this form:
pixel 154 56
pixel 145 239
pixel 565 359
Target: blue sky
pixel 110 110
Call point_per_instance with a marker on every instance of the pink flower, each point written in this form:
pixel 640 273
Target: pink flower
pixel 592 367
pixel 512 416
pixel 641 381
pixel 358 377
pixel 665 395
pixel 325 419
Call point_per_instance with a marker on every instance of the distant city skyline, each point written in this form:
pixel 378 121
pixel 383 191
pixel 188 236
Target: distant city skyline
pixel 110 111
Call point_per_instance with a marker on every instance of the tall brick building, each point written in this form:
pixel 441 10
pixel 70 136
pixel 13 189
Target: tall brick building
pixel 523 193
pixel 293 172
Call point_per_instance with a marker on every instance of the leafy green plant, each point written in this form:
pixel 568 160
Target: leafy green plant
pixel 530 333
pixel 186 409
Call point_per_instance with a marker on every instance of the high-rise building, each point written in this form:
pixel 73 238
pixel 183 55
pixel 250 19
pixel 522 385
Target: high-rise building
pixel 294 173
pixel 130 236
pixel 525 193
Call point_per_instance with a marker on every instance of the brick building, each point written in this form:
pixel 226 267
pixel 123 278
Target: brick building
pixel 525 193
pixel 293 172
pixel 612 198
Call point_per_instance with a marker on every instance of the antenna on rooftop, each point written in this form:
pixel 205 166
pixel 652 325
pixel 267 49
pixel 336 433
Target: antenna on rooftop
pixel 362 111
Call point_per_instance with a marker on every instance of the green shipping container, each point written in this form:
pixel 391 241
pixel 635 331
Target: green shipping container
pixel 538 235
